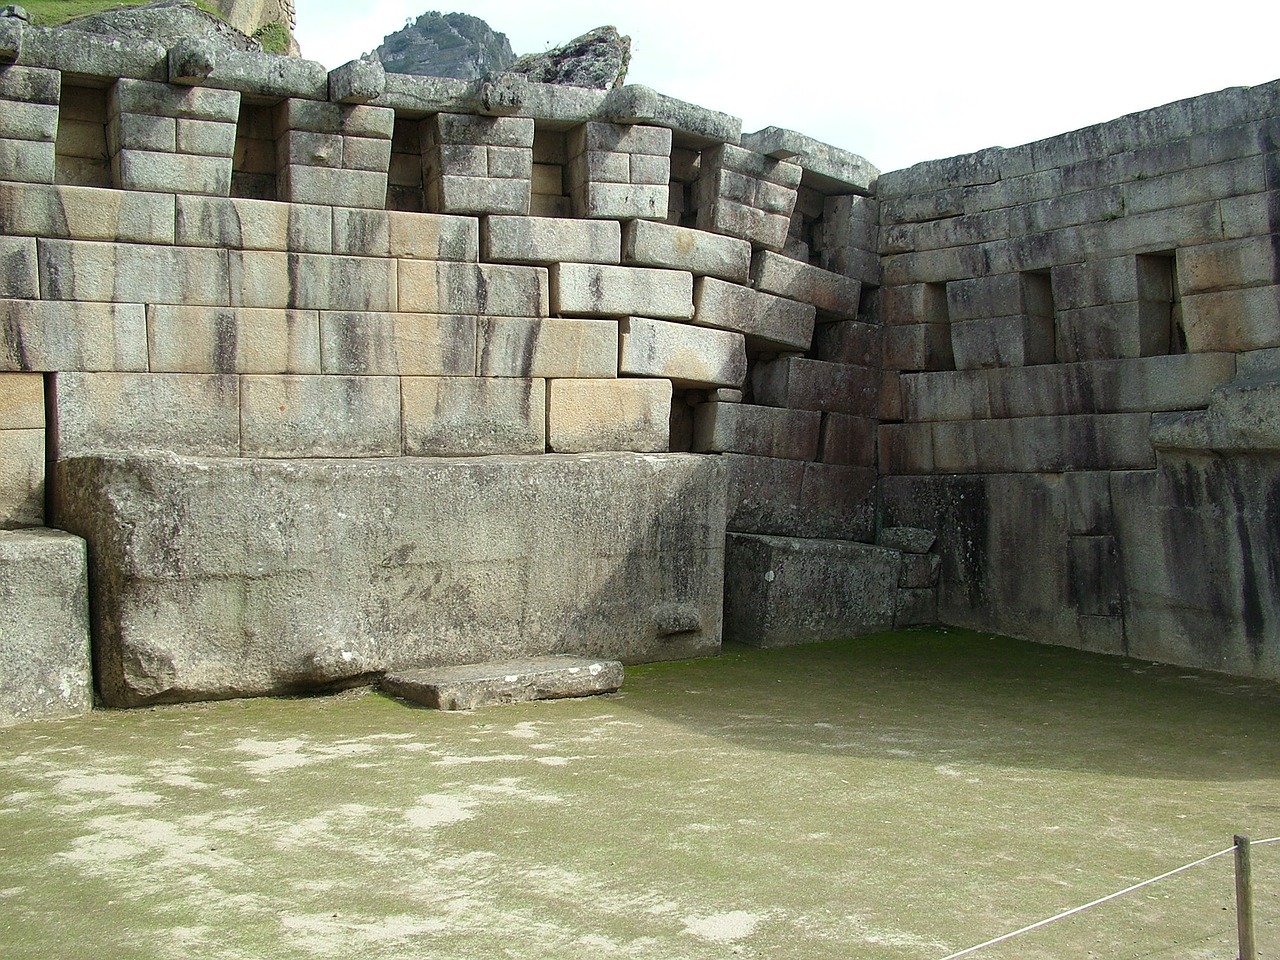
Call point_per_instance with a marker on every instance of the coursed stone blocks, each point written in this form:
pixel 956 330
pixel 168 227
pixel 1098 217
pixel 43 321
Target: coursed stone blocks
pixel 232 340
pixel 319 416
pixel 832 294
pixel 802 384
pixel 686 355
pixel 793 498
pixel 493 290
pixel 547 240
pixel 766 320
pixel 586 416
pixel 473 416
pixel 245 224
pixel 546 348
pixel 397 344
pixel 407 235
pixel 597 290
pixel 42 335
pixel 44 620
pixel 646 243
pixel 756 430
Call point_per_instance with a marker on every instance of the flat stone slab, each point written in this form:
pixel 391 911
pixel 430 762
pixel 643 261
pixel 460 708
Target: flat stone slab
pixel 472 685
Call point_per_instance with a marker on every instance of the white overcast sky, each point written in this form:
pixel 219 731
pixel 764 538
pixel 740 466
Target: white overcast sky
pixel 896 82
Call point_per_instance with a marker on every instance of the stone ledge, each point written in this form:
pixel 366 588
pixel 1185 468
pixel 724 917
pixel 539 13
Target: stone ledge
pixel 474 685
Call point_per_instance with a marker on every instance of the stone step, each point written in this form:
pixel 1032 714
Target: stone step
pixel 473 685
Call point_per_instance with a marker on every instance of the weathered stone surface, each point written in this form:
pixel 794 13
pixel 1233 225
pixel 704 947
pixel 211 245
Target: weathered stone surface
pixel 1226 266
pixel 491 290
pixel 831 293
pixel 1138 328
pixel 849 341
pixel 697 125
pixel 48 336
pixel 407 344
pixel 766 320
pixel 415 236
pixel 358 81
pixel 848 440
pixel 918 346
pixel 244 224
pixel 598 59
pixel 546 240
pixel 649 244
pixel 954 395
pixel 1232 319
pixel 686 355
pixel 781 591
pixel 44 620
pixel 130 273
pixel 1119 441
pixel 319 416
pixel 468 686
pixel 829 168
pixel 1015 341
pixel 521 347
pixel 594 290
pixel 586 416
pixel 1243 416
pixel 792 498
pixel 802 384
pixel 756 430
pixel 75 51
pixel 321 583
pixel 232 340
pixel 910 540
pixel 469 416
pixel 22 476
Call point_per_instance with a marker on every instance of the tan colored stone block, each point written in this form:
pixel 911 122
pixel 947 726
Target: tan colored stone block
pixel 20 120
pixel 398 344
pixel 478 195
pixel 596 290
pixel 473 416
pixel 321 416
pixel 547 348
pixel 132 273
pixel 1212 267
pixel 765 319
pixel 232 340
pixel 543 240
pixel 1232 319
pixel 21 401
pixel 244 224
pixel 831 293
pixel 418 236
pixel 193 414
pixel 649 244
pixel 689 356
pixel 356 188
pixel 28 160
pixel 495 290
pixel 22 459
pixel 85 213
pixel 49 336
pixel 169 100
pixel 171 173
pixel 304 281
pixel 620 201
pixel 586 416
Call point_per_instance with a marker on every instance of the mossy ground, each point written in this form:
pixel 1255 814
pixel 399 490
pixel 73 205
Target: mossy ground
pixel 897 796
pixel 51 13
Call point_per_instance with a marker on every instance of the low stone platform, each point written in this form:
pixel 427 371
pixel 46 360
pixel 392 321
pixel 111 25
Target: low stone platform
pixel 474 685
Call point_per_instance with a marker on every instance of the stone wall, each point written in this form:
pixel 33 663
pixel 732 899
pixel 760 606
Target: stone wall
pixel 237 257
pixel 1084 332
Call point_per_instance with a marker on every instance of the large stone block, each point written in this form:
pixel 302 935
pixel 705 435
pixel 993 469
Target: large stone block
pixel 306 281
pixel 319 416
pixel 28 161
pixel 195 414
pixel 802 384
pixel 492 290
pixel 649 244
pixel 549 348
pixel 394 233
pixel 474 685
pixel 755 430
pixel 222 578
pixel 1114 280
pixel 1016 341
pixel 596 290
pixel 471 416
pixel 849 341
pixel 22 477
pixel 243 224
pixel 1001 295
pixel 793 498
pixel 398 344
pixel 1232 319
pixel 586 416
pixel 232 340
pixel 782 591
pixel 766 320
pixel 19 273
pixel 765 230
pixel 166 100
pixel 1227 266
pixel 949 395
pixel 1139 328
pixel 298 183
pixel 688 356
pixel 171 172
pixel 832 294
pixel 48 336
pixel 547 240
pixel 85 213
pixel 44 623
pixel 848 440
pixel 918 346
pixel 913 303
pixel 132 273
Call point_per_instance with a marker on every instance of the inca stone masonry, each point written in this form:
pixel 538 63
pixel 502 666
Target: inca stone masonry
pixel 310 376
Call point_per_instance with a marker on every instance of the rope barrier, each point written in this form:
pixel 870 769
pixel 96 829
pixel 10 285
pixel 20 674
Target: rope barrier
pixel 1094 903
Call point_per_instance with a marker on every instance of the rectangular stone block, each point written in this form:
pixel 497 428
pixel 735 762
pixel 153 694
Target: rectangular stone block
pixel 904 448
pixel 205 138
pixel 130 273
pixel 21 401
pixel 765 319
pixel 22 464
pixel 546 348
pixel 28 121
pixel 1001 295
pixel 319 416
pixel 317 116
pixel 309 149
pixel 30 84
pixel 193 414
pixel 494 290
pixel 309 604
pixel 398 344
pixel 951 395
pixel 85 213
pixel 588 416
pixel 357 188
pixel 444 128
pixel 171 173
pixel 473 416
pixel 783 591
pixel 544 240
pixel 244 224
pixel 44 618
pixel 726 156
pixel 847 440
pixel 765 230
pixel 913 303
pixel 478 195
pixel 1137 329
pixel 831 293
pixel 596 290
pixel 49 336
pixel 756 430
pixel 232 340
pixel 649 244
pixel 1017 341
pixel 1044 444
pixel 304 281
pixel 798 499
pixel 620 201
pixel 1114 280
pixel 469 686
pixel 29 161
pixel 802 384
pixel 849 341
pixel 19 273
pixel 918 346
pixel 167 100
pixel 1232 319
pixel 618 138
pixel 686 355
pixel 364 153
pixel 135 131
pixel 415 236
pixel 1210 267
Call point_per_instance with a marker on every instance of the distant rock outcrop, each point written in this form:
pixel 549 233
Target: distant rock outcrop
pixel 166 22
pixel 598 59
pixel 445 45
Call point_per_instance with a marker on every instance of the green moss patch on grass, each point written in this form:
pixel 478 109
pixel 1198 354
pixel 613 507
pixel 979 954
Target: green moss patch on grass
pixel 896 796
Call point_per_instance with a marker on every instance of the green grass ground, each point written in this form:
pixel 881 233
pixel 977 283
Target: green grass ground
pixel 899 796
pixel 51 13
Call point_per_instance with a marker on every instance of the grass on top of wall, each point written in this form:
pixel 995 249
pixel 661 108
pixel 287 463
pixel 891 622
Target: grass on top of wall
pixel 52 13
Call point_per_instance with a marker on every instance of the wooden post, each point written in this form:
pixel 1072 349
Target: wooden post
pixel 1244 900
